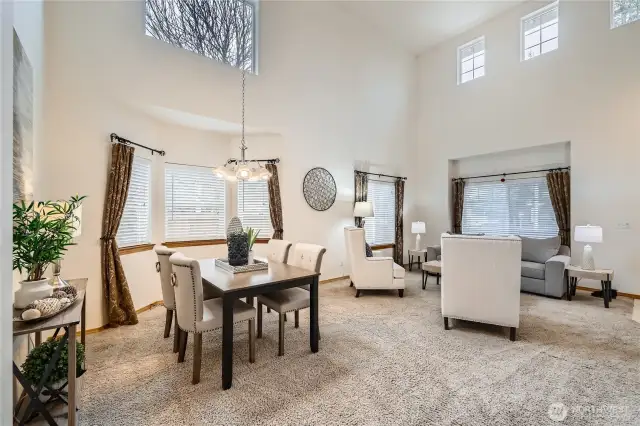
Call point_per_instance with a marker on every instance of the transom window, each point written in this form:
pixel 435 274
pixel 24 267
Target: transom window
pixel 135 224
pixel 624 12
pixel 471 60
pixel 224 30
pixel 539 32
pixel 253 206
pixel 381 229
pixel 515 207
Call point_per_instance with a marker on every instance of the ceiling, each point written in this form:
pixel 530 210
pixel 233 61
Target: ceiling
pixel 421 24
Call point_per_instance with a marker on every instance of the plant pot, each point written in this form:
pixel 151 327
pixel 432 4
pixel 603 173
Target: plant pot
pixel 30 291
pixel 250 258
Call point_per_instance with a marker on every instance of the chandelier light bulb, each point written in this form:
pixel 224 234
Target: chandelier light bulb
pixel 264 173
pixel 220 172
pixel 243 172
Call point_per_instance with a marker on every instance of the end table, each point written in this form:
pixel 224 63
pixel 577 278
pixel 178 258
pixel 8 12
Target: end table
pixel 422 253
pixel 603 275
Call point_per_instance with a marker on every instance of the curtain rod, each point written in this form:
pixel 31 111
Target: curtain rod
pixel 513 173
pixel 124 141
pixel 381 174
pixel 267 160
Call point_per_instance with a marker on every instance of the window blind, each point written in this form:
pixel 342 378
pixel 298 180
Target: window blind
pixel 253 207
pixel 135 225
pixel 517 207
pixel 381 229
pixel 194 204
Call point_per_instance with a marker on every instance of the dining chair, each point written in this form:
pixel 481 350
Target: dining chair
pixel 306 256
pixel 198 316
pixel 278 251
pixel 163 267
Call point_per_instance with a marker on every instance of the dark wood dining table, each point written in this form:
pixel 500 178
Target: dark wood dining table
pixel 278 276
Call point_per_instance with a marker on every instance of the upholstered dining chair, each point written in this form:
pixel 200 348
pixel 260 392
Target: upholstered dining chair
pixel 163 267
pixel 196 315
pixel 278 251
pixel 307 256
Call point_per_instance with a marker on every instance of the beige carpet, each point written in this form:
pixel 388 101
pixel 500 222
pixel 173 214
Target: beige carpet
pixel 383 360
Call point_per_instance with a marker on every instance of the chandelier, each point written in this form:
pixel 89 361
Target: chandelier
pixel 243 169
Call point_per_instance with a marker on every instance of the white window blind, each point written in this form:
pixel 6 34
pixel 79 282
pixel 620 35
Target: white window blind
pixel 539 32
pixel 471 60
pixel 624 12
pixel 253 207
pixel 194 204
pixel 381 229
pixel 515 207
pixel 135 225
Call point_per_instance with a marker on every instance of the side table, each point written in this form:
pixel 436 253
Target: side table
pixel 432 267
pixel 422 253
pixel 603 275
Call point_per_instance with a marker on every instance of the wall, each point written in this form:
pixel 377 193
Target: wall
pixel 338 99
pixel 586 92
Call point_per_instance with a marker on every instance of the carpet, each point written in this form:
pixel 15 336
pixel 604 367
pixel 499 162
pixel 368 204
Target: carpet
pixel 383 360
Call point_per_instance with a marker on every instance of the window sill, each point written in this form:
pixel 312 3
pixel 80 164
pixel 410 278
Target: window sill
pixel 196 243
pixel 135 249
pixel 382 246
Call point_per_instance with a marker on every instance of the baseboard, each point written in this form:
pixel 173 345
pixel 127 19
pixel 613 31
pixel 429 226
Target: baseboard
pixel 629 295
pixel 330 280
pixel 138 311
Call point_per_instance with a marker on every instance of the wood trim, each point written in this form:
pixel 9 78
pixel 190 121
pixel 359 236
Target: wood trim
pixel 194 243
pixel 629 295
pixel 262 240
pixel 330 280
pixel 106 326
pixel 383 246
pixel 135 249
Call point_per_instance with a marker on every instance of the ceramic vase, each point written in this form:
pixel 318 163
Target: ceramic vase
pixel 30 291
pixel 250 258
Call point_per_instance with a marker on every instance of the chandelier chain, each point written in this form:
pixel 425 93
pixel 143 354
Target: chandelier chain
pixel 243 86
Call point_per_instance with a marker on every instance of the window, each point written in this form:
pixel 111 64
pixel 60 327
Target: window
pixel 624 12
pixel 253 206
pixel 539 32
pixel 135 225
pixel 471 60
pixel 515 207
pixel 194 204
pixel 224 30
pixel 381 229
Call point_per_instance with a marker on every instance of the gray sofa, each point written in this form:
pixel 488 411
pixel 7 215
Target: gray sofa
pixel 543 265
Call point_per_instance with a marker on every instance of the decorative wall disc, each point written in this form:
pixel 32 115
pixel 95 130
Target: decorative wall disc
pixel 319 189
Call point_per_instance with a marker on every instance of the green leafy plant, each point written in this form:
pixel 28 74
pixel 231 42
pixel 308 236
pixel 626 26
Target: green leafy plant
pixel 37 360
pixel 42 232
pixel 252 236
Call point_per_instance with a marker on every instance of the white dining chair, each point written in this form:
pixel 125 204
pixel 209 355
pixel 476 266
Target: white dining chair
pixel 198 316
pixel 278 251
pixel 163 267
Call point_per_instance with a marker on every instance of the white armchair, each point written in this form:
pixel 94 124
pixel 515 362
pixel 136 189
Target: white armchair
pixel 481 280
pixel 371 273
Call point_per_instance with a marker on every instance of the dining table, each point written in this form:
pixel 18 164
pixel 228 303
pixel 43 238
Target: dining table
pixel 230 286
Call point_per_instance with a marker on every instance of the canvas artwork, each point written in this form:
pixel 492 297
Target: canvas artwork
pixel 22 123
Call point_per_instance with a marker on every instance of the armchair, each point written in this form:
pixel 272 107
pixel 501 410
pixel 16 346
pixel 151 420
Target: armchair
pixel 371 273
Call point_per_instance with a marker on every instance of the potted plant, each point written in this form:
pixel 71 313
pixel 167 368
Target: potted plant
pixel 252 236
pixel 42 232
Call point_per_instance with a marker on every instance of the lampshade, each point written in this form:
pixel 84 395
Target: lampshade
pixel 588 234
pixel 363 209
pixel 418 227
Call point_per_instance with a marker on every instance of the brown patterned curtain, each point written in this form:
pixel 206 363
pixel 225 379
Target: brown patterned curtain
pixel 399 242
pixel 560 193
pixel 120 308
pixel 361 186
pixel 457 195
pixel 275 204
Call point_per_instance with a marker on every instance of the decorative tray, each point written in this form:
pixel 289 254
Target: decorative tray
pixel 18 312
pixel 257 265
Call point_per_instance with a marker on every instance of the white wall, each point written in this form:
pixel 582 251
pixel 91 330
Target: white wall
pixel 586 92
pixel 338 94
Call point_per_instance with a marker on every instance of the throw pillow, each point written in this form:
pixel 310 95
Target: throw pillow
pixel 367 250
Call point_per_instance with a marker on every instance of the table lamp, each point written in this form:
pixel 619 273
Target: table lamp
pixel 588 234
pixel 363 209
pixel 418 228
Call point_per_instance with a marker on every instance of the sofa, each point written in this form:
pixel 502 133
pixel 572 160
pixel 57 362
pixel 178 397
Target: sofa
pixel 543 265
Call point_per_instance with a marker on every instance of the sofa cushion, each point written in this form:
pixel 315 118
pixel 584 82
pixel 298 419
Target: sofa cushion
pixel 532 270
pixel 539 250
pixel 398 271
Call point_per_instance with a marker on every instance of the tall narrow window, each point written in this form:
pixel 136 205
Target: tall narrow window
pixel 194 204
pixel 624 12
pixel 224 30
pixel 539 32
pixel 381 229
pixel 471 60
pixel 253 207
pixel 135 225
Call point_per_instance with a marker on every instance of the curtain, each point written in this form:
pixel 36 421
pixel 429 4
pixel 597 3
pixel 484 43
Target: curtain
pixel 560 193
pixel 275 204
pixel 361 185
pixel 120 308
pixel 399 242
pixel 457 195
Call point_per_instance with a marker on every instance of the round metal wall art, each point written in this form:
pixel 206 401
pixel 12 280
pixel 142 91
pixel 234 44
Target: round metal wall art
pixel 319 189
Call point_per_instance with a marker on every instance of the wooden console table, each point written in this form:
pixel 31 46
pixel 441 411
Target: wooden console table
pixel 67 320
